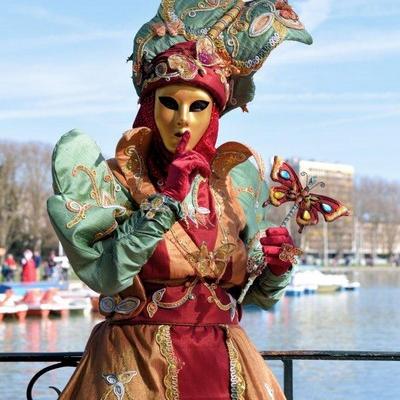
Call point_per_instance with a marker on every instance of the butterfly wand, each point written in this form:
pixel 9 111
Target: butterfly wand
pixel 307 205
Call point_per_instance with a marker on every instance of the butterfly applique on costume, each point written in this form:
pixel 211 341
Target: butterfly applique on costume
pixel 211 263
pixel 307 204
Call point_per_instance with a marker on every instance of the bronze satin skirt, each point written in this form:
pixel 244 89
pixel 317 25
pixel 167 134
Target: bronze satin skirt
pixel 186 362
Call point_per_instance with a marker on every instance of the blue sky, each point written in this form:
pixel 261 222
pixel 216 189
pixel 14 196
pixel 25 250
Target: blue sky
pixel 63 67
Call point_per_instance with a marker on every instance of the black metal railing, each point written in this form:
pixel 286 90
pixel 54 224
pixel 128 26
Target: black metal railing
pixel 62 360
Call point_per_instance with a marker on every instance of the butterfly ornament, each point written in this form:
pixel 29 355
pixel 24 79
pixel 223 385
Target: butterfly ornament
pixel 307 205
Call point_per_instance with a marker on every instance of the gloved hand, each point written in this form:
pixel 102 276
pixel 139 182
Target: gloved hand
pixel 181 172
pixel 271 246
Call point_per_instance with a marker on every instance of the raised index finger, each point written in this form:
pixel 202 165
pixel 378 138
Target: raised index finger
pixel 183 143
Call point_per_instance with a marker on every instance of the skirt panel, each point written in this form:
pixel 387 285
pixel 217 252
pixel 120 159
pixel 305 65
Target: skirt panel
pixel 171 362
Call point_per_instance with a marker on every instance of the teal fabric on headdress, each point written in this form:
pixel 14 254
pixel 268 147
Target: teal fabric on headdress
pixel 244 33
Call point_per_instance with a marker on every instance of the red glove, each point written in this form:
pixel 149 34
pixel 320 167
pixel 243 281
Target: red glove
pixel 271 246
pixel 181 172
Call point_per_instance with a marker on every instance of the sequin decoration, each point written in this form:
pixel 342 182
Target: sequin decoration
pixel 238 384
pixel 164 341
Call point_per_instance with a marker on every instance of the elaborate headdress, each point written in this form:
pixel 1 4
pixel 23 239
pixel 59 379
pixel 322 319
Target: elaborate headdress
pixel 214 44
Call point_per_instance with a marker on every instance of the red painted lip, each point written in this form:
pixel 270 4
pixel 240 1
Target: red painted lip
pixel 179 134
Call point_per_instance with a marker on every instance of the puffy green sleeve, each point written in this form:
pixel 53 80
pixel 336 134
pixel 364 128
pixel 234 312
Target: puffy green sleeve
pixel 105 235
pixel 252 193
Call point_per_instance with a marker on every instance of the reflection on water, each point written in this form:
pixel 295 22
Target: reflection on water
pixel 364 320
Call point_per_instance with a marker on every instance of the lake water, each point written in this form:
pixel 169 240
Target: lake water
pixel 366 320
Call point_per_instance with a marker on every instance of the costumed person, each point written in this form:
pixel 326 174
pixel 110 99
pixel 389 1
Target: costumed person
pixel 28 267
pixel 167 230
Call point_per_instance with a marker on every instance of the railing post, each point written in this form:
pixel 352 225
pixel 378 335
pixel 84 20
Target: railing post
pixel 288 379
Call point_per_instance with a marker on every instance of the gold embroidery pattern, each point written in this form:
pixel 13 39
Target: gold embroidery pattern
pixel 222 163
pixel 248 66
pixel 168 13
pixel 163 339
pixel 206 5
pixel 226 20
pixel 101 235
pixel 101 197
pixel 156 302
pixel 79 209
pixel 117 383
pixel 249 190
pixel 233 30
pixel 238 384
pixel 137 65
pixel 135 165
pixel 211 263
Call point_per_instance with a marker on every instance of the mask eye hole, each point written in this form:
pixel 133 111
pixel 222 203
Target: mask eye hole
pixel 199 105
pixel 169 102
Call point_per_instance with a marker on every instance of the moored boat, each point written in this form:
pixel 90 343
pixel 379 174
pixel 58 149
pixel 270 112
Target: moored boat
pixel 9 307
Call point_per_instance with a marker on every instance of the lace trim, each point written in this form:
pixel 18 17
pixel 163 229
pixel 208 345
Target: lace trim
pixel 163 339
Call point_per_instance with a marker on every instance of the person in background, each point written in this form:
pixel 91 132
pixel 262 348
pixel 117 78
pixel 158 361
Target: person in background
pixel 28 267
pixel 37 258
pixel 50 266
pixel 9 268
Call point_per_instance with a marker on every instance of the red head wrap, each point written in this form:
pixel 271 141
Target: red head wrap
pixel 190 63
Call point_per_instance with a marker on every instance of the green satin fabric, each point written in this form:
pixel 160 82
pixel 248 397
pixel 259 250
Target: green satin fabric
pixel 268 288
pixel 106 266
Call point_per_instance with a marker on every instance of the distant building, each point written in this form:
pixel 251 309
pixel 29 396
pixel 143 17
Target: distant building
pixel 338 238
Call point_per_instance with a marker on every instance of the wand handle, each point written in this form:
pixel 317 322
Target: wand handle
pixel 290 215
pixel 249 283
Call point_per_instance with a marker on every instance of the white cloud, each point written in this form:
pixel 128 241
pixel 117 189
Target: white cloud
pixel 390 112
pixel 360 46
pixel 45 15
pixel 329 97
pixel 64 111
pixel 43 81
pixel 62 39
pixel 313 13
pixel 366 9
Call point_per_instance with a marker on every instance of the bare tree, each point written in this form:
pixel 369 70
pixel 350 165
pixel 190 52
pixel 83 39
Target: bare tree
pixel 378 207
pixel 25 178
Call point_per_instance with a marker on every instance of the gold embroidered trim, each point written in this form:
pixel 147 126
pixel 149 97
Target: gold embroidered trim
pixel 134 166
pixel 163 339
pixel 214 299
pixel 281 30
pixel 102 198
pixel 79 209
pixel 238 384
pixel 156 302
pixel 168 11
pixel 205 5
pixel 108 231
pixel 137 65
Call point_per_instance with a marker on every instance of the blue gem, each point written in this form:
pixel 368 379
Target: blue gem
pixel 327 208
pixel 285 175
